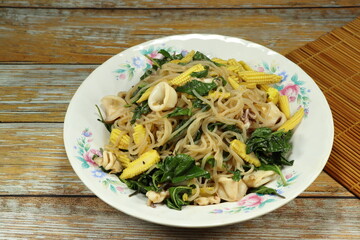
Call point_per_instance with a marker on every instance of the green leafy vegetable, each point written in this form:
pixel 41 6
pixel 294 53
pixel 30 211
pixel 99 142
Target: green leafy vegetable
pixel 180 129
pixel 198 56
pixel 274 168
pixel 270 147
pixel 157 63
pixel 197 103
pixel 200 74
pixel 236 175
pixel 211 161
pixel 224 127
pixel 141 109
pixel 107 125
pixel 265 190
pixel 180 168
pixel 194 85
pixel 180 112
pixel 176 197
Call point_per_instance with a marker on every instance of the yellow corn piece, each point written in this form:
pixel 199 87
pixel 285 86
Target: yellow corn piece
pixel 123 158
pixel 284 105
pixel 248 85
pixel 185 197
pixel 273 95
pixel 185 76
pixel 139 133
pixel 245 66
pixel 264 87
pixel 119 138
pixel 204 191
pixel 233 82
pixel 292 122
pixel 233 62
pixel 140 165
pixel 259 77
pixel 240 149
pixel 235 68
pixel 218 94
pixel 185 59
pixel 145 95
pixel 219 60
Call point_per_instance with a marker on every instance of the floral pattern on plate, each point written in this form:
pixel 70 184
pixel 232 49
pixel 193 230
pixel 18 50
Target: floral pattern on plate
pixel 140 63
pixel 290 85
pixel 85 155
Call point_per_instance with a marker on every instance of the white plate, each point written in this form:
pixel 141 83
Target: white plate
pixel 84 135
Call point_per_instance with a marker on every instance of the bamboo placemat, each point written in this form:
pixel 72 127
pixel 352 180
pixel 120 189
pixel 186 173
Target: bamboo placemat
pixel 333 61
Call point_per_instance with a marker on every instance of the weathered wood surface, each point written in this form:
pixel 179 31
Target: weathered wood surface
pixel 38 93
pixel 177 3
pixel 92 36
pixel 88 217
pixel 33 161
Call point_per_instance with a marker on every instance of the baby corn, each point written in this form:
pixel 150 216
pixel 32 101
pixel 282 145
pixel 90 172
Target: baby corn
pixel 140 165
pixel 186 59
pixel 284 105
pixel 185 76
pixel 145 95
pixel 139 133
pixel 292 122
pixel 119 139
pixel 240 149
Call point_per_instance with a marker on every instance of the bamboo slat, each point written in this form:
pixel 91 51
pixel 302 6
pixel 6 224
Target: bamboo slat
pixel 333 61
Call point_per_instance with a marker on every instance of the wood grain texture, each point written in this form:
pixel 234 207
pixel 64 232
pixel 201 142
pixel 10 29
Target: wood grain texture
pixel 92 36
pixel 38 93
pixel 34 162
pixel 177 3
pixel 69 218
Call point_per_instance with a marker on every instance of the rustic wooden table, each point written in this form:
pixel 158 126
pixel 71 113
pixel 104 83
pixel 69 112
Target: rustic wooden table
pixel 49 47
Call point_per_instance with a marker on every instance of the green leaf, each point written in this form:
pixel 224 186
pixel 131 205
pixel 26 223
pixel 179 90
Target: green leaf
pixel 200 87
pixel 270 147
pixel 198 103
pixel 141 109
pixel 180 168
pixel 236 175
pixel 274 168
pixel 201 74
pixel 165 53
pixel 198 56
pixel 180 112
pixel 266 190
pixel 107 125
pixel 176 197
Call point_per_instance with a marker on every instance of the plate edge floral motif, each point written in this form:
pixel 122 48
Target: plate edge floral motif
pixel 254 200
pixel 85 155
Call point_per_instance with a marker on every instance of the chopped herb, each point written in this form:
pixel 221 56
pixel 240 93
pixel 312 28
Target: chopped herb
pixel 202 57
pixel 236 175
pixel 211 161
pixel 141 109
